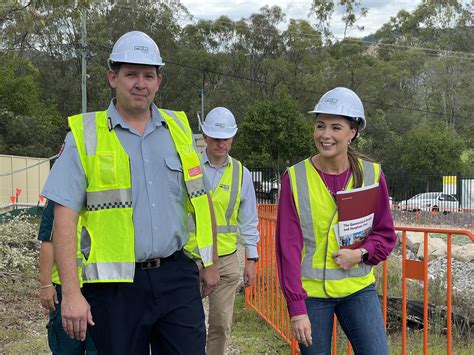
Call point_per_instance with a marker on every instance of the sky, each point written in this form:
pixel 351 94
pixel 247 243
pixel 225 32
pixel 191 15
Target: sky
pixel 379 13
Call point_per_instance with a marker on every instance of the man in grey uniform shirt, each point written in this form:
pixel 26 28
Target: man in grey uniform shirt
pixel 235 206
pixel 161 309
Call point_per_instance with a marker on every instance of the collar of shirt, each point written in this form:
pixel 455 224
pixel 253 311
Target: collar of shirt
pixel 115 118
pixel 206 161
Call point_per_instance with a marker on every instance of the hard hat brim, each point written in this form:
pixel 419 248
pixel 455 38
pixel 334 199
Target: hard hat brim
pixel 219 135
pixel 153 64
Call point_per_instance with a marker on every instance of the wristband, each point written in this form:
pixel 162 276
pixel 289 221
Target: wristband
pixel 46 286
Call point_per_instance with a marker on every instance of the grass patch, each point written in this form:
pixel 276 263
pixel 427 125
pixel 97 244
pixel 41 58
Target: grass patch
pixel 457 239
pixel 251 334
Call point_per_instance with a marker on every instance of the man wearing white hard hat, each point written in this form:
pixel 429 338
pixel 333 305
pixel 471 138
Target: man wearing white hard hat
pixel 235 207
pixel 132 175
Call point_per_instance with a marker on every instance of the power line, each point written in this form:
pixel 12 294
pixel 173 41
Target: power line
pixel 306 90
pixel 430 51
pixel 314 92
pixel 433 52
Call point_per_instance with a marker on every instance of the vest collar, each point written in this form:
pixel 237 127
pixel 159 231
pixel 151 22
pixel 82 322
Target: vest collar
pixel 117 120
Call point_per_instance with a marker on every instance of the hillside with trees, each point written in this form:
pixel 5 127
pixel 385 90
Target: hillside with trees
pixel 415 76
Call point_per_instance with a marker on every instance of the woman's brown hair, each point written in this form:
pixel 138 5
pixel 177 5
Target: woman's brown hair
pixel 354 156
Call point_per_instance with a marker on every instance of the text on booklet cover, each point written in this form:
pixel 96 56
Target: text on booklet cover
pixel 356 210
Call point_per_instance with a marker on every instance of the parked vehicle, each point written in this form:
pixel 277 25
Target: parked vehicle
pixel 431 201
pixel 268 189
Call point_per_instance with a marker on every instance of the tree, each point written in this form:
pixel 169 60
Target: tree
pixel 378 141
pixel 274 133
pixel 28 126
pixel 323 10
pixel 432 149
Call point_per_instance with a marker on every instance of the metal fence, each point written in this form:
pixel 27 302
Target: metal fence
pixel 421 200
pixel 266 298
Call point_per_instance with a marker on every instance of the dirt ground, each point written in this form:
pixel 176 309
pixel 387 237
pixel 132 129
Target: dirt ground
pixel 23 319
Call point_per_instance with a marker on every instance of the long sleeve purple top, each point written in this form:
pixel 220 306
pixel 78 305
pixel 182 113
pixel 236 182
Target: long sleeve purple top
pixel 289 238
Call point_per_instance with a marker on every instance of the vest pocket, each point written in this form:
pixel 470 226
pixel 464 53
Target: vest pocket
pixel 175 175
pixel 106 165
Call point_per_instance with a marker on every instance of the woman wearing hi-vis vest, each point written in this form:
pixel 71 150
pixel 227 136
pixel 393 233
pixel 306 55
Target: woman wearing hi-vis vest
pixel 317 277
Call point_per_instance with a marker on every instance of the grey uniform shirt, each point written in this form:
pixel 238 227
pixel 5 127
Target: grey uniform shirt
pixel 247 217
pixel 158 191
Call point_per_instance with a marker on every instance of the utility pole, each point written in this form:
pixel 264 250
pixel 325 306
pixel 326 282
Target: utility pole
pixel 83 59
pixel 202 96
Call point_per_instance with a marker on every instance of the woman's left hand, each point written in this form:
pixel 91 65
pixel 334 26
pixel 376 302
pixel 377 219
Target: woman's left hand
pixel 347 258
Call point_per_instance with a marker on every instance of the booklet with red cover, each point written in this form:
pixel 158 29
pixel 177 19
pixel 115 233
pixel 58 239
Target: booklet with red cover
pixel 356 209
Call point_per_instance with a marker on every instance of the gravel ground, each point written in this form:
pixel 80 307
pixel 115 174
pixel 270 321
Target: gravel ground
pixel 462 272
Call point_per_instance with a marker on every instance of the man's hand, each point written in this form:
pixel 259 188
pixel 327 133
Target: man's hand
pixel 347 258
pixel 48 298
pixel 301 329
pixel 76 314
pixel 209 279
pixel 249 272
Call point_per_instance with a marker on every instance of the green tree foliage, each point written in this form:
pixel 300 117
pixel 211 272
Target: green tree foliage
pixel 274 133
pixel 28 126
pixel 417 68
pixel 432 149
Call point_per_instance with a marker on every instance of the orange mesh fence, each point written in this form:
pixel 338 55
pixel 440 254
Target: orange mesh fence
pixel 266 299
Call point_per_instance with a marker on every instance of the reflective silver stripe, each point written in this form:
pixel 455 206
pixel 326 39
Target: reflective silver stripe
pixel 305 216
pixel 191 224
pixel 368 173
pixel 90 132
pixel 101 200
pixel 337 274
pixel 173 116
pixel 195 187
pixel 234 189
pixel 108 271
pixel 307 227
pixel 226 229
pixel 206 254
pixel 79 262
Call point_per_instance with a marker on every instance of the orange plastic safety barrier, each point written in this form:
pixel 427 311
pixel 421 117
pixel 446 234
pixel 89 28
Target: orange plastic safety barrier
pixel 266 299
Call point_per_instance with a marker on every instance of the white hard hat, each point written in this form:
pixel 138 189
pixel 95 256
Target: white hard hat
pixel 136 47
pixel 220 124
pixel 342 102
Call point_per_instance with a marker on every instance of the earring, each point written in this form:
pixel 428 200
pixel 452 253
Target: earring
pixel 349 141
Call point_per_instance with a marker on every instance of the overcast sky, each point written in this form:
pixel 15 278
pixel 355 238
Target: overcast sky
pixel 379 13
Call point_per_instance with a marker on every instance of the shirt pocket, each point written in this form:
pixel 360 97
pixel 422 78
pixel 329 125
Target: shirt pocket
pixel 175 177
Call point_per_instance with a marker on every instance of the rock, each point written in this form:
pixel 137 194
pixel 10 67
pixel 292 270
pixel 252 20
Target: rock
pixel 464 253
pixel 455 248
pixel 436 247
pixel 414 239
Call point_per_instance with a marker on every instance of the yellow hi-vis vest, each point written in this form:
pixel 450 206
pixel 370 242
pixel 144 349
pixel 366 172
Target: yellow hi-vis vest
pixel 317 211
pixel 226 202
pixel 107 233
pixel 55 272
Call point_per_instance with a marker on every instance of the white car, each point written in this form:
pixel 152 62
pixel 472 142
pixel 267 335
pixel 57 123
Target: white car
pixel 431 201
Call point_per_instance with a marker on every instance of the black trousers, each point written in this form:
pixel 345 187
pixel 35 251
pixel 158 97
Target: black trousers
pixel 161 310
